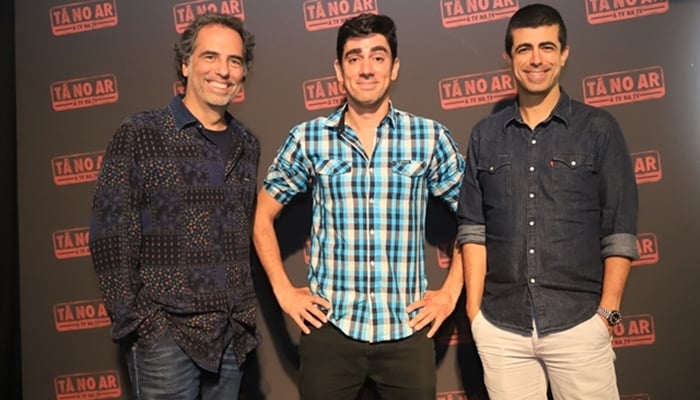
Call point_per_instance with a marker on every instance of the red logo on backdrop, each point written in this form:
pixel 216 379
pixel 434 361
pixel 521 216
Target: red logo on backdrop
pixel 602 11
pixel 326 14
pixel 79 315
pixel 76 168
pixel 647 166
pixel 624 87
pixel 476 89
pixel 648 248
pixel 179 88
pixel 185 13
pixel 635 330
pixel 71 243
pixel 83 16
pixel 444 254
pixel 323 93
pixel 452 396
pixel 88 385
pixel 84 92
pixel 468 12
pixel 635 397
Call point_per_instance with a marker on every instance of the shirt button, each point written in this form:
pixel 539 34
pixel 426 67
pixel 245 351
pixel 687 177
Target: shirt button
pixel 371 171
pixel 491 169
pixel 573 163
pixel 371 200
pixel 532 251
pixel 532 280
pixel 532 195
pixel 371 294
pixel 534 141
pixel 371 232
pixel 532 223
pixel 532 169
pixel 371 263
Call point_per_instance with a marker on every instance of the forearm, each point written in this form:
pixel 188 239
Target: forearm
pixel 614 279
pixel 474 264
pixel 266 244
pixel 454 281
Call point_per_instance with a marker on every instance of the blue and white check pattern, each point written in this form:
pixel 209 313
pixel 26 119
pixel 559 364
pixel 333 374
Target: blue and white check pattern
pixel 367 233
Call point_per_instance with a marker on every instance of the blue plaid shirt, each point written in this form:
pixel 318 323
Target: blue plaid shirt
pixel 367 232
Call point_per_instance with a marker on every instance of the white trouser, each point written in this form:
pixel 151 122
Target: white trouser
pixel 578 362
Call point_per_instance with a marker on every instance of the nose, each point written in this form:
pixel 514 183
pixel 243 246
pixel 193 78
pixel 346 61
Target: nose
pixel 222 68
pixel 536 57
pixel 366 68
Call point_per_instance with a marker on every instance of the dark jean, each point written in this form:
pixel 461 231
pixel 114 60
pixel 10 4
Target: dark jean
pixel 162 371
pixel 334 366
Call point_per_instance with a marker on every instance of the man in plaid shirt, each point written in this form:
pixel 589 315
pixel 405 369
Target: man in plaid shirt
pixel 367 313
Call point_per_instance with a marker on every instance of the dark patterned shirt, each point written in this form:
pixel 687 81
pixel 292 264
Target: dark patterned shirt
pixel 170 234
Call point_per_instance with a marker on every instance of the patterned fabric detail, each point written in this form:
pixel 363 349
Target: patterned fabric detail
pixel 170 234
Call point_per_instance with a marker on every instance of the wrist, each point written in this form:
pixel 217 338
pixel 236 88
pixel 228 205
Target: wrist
pixel 612 316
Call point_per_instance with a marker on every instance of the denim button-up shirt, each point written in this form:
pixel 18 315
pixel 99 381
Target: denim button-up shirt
pixel 550 204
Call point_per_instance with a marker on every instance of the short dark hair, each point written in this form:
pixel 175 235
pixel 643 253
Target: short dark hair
pixel 185 45
pixel 365 25
pixel 533 16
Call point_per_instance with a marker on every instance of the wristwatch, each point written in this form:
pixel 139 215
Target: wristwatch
pixel 613 316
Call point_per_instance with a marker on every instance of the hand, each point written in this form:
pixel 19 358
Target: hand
pixel 435 307
pixel 302 307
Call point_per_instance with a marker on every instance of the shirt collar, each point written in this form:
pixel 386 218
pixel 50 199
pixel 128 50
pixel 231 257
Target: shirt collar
pixel 562 111
pixel 183 117
pixel 337 118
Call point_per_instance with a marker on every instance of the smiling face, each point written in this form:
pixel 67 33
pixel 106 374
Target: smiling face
pixel 536 59
pixel 366 71
pixel 215 71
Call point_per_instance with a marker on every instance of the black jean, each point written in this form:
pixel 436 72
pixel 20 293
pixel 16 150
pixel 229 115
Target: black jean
pixel 334 366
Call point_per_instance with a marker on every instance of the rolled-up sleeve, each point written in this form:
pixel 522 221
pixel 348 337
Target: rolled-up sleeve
pixel 471 225
pixel 619 200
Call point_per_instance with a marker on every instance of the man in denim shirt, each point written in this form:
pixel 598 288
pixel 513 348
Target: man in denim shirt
pixel 170 234
pixel 547 224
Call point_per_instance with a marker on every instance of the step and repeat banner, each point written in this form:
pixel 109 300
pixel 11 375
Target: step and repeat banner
pixel 83 66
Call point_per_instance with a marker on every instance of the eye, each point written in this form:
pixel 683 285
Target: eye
pixel 236 62
pixel 379 59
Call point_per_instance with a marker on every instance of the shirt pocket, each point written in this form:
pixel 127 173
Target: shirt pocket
pixel 333 175
pixel 574 175
pixel 409 168
pixel 494 177
pixel 333 167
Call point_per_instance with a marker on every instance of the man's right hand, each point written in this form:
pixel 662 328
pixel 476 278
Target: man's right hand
pixel 303 307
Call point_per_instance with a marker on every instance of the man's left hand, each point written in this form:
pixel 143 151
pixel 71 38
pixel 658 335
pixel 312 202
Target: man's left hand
pixel 434 307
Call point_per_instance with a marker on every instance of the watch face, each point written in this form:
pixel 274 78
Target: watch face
pixel 614 318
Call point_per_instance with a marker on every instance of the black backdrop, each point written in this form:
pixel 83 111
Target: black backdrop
pixel 657 348
pixel 10 367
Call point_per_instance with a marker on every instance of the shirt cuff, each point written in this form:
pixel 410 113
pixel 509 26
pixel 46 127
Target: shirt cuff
pixel 471 234
pixel 621 245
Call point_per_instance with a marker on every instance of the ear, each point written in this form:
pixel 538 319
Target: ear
pixel 507 58
pixel 338 71
pixel 395 69
pixel 185 70
pixel 564 56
